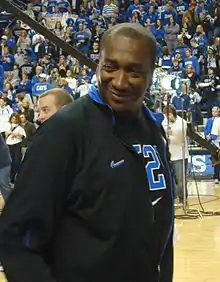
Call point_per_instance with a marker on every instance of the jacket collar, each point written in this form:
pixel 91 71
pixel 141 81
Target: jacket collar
pixel 96 97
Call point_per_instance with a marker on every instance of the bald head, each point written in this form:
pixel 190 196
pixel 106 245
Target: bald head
pixel 61 96
pixel 51 101
pixel 132 31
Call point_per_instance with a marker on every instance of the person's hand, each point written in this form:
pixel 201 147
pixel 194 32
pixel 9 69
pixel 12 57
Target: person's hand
pixel 208 137
pixel 14 134
pixel 61 67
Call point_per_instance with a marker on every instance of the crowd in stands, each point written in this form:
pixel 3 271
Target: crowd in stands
pixel 188 46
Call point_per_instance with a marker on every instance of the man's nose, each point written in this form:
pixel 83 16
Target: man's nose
pixel 41 117
pixel 121 80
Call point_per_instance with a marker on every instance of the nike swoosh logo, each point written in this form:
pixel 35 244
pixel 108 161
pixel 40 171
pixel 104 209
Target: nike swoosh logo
pixel 114 164
pixel 156 201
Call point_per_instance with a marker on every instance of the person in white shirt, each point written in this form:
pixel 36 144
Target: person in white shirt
pixel 176 129
pixel 5 113
pixel 14 136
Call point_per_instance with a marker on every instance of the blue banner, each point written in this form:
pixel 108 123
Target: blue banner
pixel 200 164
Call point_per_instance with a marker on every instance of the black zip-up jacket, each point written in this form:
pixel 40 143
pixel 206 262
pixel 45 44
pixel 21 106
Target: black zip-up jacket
pixel 75 217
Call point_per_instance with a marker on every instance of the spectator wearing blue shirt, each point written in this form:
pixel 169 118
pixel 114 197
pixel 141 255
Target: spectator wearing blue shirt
pixel 51 6
pixel 25 83
pixel 176 69
pixel 132 7
pixel 165 62
pixel 200 35
pixel 42 86
pixel 181 8
pixel 9 41
pixel 1 78
pixel 181 102
pixel 8 60
pixel 63 5
pixel 70 23
pixel 82 18
pixel 160 32
pixel 168 13
pixel 82 39
pixel 181 47
pixel 151 3
pixel 201 7
pixel 192 61
pixel 150 15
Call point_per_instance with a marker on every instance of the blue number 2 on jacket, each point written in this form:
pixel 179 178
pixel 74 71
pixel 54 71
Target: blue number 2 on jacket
pixel 156 181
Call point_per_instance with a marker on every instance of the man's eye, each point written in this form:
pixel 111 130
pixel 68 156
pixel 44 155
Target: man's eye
pixel 108 68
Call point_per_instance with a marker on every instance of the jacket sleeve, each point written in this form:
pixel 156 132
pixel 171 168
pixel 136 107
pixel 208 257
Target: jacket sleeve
pixel 34 208
pixel 166 267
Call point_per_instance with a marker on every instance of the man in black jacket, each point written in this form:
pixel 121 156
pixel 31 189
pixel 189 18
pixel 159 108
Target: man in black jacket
pixel 93 199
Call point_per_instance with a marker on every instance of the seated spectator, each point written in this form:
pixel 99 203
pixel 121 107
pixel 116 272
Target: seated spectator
pixel 72 82
pixel 211 58
pixel 188 28
pixel 25 83
pixel 1 77
pixel 41 87
pixel 94 53
pixel 7 60
pixel 30 129
pixel 46 47
pixel 26 110
pixel 54 77
pixel 62 83
pixel 68 36
pixel 10 39
pixel 82 39
pixel 19 56
pixel 9 92
pixel 191 75
pixel 96 33
pixel 27 67
pixel 108 9
pixel 176 69
pixel 200 35
pixel 62 66
pixel 58 30
pixel 24 41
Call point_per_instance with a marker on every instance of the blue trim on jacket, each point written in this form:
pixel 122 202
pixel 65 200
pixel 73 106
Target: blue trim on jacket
pixel 96 97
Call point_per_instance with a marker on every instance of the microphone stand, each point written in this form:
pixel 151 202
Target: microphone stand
pixel 187 213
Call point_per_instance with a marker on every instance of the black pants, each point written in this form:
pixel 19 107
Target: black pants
pixel 217 171
pixel 15 151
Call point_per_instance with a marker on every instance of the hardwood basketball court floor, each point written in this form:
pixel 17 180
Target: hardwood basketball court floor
pixel 197 246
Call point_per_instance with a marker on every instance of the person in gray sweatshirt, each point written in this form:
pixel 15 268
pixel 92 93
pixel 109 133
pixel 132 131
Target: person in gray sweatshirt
pixel 5 167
